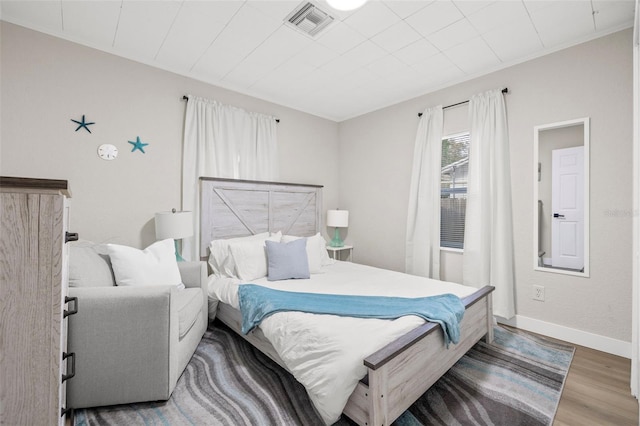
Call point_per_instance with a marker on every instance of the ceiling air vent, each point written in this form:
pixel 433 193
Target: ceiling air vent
pixel 309 19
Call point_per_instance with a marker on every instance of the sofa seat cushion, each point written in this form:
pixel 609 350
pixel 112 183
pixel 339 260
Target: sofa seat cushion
pixel 189 303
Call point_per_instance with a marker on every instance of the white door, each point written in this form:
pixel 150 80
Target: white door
pixel 567 204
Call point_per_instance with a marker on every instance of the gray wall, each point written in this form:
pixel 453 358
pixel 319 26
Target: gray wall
pixel 592 79
pixel 47 81
pixel 364 163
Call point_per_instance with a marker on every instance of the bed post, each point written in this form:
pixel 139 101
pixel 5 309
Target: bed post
pixel 378 386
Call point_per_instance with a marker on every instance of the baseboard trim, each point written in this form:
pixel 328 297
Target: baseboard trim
pixel 571 335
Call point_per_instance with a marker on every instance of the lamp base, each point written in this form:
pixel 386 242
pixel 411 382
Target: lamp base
pixel 337 241
pixel 178 257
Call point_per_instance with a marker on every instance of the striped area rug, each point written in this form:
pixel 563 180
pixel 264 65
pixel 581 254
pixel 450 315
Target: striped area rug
pixel 517 380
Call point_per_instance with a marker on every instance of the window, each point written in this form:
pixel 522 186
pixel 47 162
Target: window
pixel 453 189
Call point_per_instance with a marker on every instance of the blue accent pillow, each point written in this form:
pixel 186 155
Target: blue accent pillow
pixel 287 260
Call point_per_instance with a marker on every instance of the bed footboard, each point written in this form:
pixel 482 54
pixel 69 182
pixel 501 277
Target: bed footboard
pixel 399 373
pixel 402 371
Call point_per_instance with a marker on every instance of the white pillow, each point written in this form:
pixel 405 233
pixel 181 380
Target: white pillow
pixel 250 258
pixel 155 265
pixel 219 252
pixel 324 254
pixel 316 251
pixel 220 258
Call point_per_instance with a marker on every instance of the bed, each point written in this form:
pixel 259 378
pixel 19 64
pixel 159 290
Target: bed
pixel 395 374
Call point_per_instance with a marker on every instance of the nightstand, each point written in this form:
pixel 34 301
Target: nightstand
pixel 341 253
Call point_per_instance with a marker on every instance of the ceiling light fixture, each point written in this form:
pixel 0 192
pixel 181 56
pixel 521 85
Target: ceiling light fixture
pixel 346 4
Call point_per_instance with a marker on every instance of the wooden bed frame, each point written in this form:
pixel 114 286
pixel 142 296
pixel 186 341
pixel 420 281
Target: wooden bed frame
pixel 399 373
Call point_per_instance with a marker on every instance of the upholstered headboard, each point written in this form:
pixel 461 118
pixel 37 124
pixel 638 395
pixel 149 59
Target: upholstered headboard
pixel 236 208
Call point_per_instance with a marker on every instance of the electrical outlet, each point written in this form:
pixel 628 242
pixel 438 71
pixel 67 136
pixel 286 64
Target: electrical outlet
pixel 538 293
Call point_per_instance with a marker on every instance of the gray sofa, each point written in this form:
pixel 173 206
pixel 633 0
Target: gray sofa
pixel 131 343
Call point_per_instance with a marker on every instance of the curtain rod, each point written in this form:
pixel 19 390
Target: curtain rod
pixel 186 98
pixel 505 90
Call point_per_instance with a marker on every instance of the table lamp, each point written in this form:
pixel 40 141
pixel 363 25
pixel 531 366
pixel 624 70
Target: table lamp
pixel 176 225
pixel 337 219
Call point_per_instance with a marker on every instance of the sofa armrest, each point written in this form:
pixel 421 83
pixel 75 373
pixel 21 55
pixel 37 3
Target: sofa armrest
pixel 121 337
pixel 194 274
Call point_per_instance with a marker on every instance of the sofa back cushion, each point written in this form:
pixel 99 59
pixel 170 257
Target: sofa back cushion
pixel 155 265
pixel 89 265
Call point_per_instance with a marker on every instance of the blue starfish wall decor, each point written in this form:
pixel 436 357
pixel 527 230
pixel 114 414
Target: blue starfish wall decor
pixel 82 124
pixel 138 144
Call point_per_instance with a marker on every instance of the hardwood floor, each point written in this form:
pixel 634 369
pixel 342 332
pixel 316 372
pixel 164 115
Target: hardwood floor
pixel 597 391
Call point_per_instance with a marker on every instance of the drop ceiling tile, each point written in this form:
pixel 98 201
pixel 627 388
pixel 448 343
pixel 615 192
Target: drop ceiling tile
pixel 516 40
pixel 340 38
pixel 467 7
pixel 383 96
pixel 240 78
pixel 406 8
pixel 93 22
pixel 563 21
pixel 497 14
pixel 357 78
pixel 434 17
pixel 416 52
pixel 244 42
pixel 235 43
pixel 288 82
pixel 437 71
pixel 535 5
pixel 454 34
pixel 287 73
pixel 339 66
pixel 435 63
pixel 473 56
pixel 338 15
pixel 39 15
pixel 317 80
pixel 396 37
pixel 386 65
pixel 613 13
pixel 276 9
pixel 405 77
pixel 316 55
pixel 362 77
pixel 143 27
pixel 194 29
pixel 371 19
pixel 363 54
pixel 282 44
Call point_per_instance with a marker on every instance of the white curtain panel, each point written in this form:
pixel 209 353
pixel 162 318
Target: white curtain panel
pixel 635 337
pixel 226 142
pixel 423 219
pixel 488 238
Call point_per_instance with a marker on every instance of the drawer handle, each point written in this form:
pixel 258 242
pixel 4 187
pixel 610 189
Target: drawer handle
pixel 70 236
pixel 71 415
pixel 70 375
pixel 73 311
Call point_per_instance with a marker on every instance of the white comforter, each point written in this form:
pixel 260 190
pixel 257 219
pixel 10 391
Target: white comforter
pixel 325 352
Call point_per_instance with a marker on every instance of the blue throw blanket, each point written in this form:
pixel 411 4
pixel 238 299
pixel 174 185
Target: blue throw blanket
pixel 257 303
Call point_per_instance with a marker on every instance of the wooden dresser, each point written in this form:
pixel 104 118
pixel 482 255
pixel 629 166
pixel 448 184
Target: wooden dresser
pixel 33 286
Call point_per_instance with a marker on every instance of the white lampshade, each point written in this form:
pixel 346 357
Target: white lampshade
pixel 346 4
pixel 174 225
pixel 338 218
